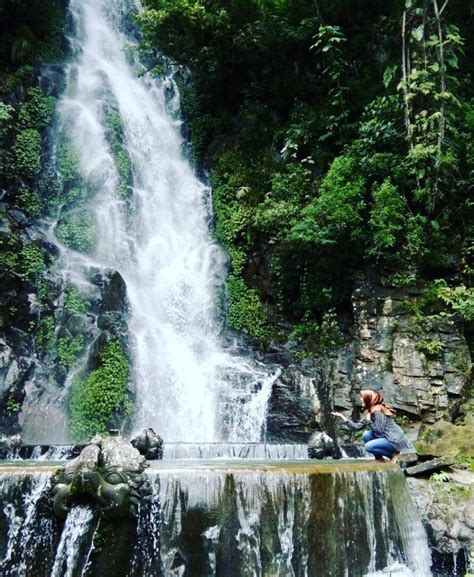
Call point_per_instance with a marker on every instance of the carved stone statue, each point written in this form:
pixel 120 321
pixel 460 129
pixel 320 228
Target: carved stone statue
pixel 149 444
pixel 110 472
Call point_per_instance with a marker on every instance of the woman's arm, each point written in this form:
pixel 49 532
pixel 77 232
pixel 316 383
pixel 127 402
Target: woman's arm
pixel 355 426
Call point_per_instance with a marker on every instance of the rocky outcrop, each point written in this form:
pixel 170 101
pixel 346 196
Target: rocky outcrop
pixel 447 510
pixel 322 446
pixel 9 446
pixel 422 367
pixel 43 417
pixel 293 406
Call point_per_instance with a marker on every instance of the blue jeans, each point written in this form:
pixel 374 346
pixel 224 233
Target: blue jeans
pixel 377 446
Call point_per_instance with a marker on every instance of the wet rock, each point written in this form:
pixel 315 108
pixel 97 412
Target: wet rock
pixel 428 467
pixel 9 445
pixel 80 324
pixel 113 309
pixel 322 446
pixel 114 293
pixel 114 322
pixel 447 510
pixel 293 406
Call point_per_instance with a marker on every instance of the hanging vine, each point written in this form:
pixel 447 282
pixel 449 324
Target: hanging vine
pixel 430 49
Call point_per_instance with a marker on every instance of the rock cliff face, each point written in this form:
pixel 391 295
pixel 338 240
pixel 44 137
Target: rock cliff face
pixel 447 510
pixel 43 415
pixel 422 367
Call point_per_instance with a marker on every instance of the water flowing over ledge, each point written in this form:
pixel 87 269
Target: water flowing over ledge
pixel 217 518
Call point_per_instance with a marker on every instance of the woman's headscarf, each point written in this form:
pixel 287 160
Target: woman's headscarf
pixel 373 402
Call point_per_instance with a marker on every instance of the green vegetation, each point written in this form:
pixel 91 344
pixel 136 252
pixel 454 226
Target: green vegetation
pixel 441 477
pixel 104 393
pixel 13 406
pixel 74 303
pixel 122 160
pixel 45 333
pixel 69 349
pixel 322 337
pixel 29 202
pixel 333 154
pixel 69 164
pixel 32 261
pixel 77 230
pixel 431 348
pixel 31 32
pixel 6 115
pixel 245 310
pixel 27 151
pixel 447 439
pixel 37 110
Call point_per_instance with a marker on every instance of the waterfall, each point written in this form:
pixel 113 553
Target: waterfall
pixel 189 386
pixel 234 451
pixel 223 503
pixel 27 532
pixel 224 520
pixel 289 524
pixel 71 555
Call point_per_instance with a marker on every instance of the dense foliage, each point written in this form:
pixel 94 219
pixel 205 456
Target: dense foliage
pixel 339 137
pixel 103 394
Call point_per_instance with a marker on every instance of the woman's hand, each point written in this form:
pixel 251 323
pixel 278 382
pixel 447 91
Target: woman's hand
pixel 340 415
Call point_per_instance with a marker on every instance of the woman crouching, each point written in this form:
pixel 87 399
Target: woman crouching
pixel 385 438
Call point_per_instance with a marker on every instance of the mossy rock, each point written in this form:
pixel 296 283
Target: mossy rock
pixel 448 440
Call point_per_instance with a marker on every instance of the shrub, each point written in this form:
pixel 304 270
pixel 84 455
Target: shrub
pixel 95 400
pixel 69 164
pixel 37 110
pixel 29 202
pixel 32 261
pixel 6 115
pixel 27 151
pixel 320 337
pixel 246 311
pixel 13 406
pixel 45 335
pixel 69 349
pixel 74 303
pixel 387 219
pixel 77 231
pixel 338 210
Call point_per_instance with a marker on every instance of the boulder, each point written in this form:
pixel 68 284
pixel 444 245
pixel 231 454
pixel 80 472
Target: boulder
pixel 322 446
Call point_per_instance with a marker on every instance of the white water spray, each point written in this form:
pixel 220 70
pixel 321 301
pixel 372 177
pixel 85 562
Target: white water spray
pixel 189 388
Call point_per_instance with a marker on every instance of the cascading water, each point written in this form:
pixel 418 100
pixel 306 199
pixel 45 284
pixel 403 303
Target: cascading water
pixel 188 386
pixel 220 520
pixel 217 509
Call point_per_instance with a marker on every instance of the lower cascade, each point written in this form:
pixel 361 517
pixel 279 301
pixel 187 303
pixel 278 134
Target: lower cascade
pixel 218 517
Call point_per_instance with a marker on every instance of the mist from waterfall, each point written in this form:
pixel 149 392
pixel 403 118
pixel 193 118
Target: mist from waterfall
pixel 188 385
